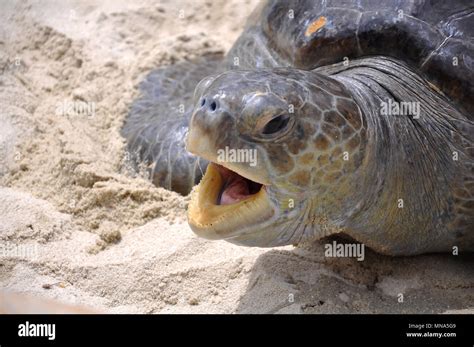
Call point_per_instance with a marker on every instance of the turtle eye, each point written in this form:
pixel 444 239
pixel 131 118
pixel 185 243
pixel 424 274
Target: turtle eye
pixel 277 124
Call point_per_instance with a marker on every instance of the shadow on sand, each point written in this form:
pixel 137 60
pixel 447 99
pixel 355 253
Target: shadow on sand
pixel 303 280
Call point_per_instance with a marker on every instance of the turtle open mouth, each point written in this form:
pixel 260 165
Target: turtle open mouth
pixel 225 202
pixel 235 187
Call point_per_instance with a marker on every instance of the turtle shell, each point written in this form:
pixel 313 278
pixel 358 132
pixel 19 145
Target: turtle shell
pixel 435 38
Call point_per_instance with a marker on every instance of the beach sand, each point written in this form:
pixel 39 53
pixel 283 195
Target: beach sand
pixel 80 231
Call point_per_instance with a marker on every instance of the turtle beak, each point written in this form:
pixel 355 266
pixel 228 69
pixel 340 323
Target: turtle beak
pixel 230 198
pixel 211 218
pixel 203 145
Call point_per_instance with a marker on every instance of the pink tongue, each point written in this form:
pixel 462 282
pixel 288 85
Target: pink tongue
pixel 237 189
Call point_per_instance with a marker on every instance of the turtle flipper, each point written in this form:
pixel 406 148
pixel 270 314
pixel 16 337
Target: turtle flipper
pixel 157 123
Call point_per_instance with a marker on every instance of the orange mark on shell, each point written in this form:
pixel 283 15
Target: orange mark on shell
pixel 315 26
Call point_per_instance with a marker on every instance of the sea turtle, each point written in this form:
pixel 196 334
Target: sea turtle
pixel 360 115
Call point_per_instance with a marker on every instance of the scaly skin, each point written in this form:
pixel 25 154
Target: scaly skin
pixel 339 166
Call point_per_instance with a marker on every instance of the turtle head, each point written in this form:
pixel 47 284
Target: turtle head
pixel 283 146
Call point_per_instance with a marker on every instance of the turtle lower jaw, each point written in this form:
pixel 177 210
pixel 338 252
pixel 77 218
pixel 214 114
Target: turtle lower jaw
pixel 225 203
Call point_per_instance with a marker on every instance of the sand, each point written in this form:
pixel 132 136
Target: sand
pixel 80 231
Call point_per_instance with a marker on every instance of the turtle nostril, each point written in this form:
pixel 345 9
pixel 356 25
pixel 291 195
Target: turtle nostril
pixel 203 102
pixel 213 106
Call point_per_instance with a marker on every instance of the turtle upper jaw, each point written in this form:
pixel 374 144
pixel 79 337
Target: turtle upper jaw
pixel 204 144
pixel 231 198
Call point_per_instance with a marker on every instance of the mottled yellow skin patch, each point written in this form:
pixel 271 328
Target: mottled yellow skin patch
pixel 307 159
pixel 331 177
pixel 323 159
pixel 300 178
pixel 315 26
pixel 321 142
